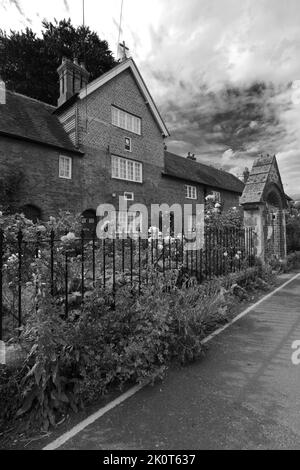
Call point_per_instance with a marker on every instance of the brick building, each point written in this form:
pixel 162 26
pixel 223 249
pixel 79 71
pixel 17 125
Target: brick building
pixel 105 139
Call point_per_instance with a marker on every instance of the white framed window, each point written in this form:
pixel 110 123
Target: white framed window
pixel 65 167
pixel 129 222
pixel 126 120
pixel 124 169
pixel 190 192
pixel 129 196
pixel 127 144
pixel 217 196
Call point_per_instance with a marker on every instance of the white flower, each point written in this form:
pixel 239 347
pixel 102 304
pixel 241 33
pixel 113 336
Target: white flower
pixel 210 197
pixel 217 205
pixel 237 256
pixel 69 237
pixel 12 259
pixel 41 228
pixel 153 230
pixel 225 254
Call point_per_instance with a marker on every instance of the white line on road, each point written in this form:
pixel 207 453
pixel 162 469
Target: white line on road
pixel 242 314
pixel 91 419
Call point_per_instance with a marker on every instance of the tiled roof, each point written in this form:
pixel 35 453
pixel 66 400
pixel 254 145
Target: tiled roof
pixel 190 170
pixel 26 118
pixel 257 181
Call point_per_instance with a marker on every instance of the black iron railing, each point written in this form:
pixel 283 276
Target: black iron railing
pixel 68 269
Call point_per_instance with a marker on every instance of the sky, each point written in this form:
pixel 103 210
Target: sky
pixel 225 74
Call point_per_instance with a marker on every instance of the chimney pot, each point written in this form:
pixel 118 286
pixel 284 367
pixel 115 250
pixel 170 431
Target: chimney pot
pixel 191 156
pixel 72 79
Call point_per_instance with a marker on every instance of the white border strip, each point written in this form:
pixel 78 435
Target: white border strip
pixel 91 419
pixel 252 307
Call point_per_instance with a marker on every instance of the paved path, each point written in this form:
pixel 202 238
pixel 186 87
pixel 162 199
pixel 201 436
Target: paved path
pixel 244 394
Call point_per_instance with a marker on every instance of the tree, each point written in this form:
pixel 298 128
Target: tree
pixel 28 63
pixel 293 227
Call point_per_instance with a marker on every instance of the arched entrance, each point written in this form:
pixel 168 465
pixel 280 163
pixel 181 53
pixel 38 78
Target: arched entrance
pixel 31 212
pixel 275 223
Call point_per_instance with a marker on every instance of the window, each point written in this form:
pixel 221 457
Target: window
pixel 191 192
pixel 129 196
pixel 126 120
pixel 124 169
pixel 129 222
pixel 217 196
pixel 127 144
pixel 65 167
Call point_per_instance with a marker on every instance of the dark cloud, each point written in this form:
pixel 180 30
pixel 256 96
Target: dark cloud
pixel 229 127
pixel 221 71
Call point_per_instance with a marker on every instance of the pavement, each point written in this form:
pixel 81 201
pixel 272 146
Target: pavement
pixel 244 394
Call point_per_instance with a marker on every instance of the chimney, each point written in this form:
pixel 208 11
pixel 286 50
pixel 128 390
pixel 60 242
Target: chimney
pixel 72 78
pixel 191 156
pixel 246 175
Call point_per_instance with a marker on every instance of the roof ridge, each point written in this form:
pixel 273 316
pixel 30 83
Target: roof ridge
pixel 106 73
pixel 204 164
pixel 30 98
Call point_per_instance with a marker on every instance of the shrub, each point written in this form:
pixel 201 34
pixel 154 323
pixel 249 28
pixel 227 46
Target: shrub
pixel 113 341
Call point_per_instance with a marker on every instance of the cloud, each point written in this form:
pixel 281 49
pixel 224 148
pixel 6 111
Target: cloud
pixel 17 5
pixel 67 6
pixel 222 72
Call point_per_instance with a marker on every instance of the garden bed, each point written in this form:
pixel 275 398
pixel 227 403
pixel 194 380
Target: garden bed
pixel 233 296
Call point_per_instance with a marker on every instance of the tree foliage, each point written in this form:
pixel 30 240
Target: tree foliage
pixel 28 63
pixel 293 227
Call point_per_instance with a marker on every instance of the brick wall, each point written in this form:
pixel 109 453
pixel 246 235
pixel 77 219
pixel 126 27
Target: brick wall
pixel 92 184
pixel 99 139
pixel 40 184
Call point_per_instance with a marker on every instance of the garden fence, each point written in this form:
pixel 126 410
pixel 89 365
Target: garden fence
pixel 68 268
